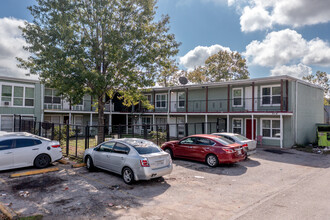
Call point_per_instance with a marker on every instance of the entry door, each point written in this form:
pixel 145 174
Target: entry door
pixel 173 102
pixel 248 98
pixel 222 125
pixel 248 128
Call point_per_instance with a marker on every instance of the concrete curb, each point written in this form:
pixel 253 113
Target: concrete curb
pixel 63 161
pixel 78 165
pixel 8 212
pixel 34 172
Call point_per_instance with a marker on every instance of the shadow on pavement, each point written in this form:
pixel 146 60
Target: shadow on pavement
pixel 235 169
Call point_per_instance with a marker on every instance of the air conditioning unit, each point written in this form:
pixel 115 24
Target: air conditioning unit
pixel 5 103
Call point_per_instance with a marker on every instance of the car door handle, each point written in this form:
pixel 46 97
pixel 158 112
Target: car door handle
pixel 207 148
pixel 8 152
pixel 35 149
pixel 122 158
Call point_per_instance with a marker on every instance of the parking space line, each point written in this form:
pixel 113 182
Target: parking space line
pixel 107 185
pixel 34 172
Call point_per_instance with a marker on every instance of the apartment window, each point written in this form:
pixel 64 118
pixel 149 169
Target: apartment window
pixel 271 128
pixel 12 95
pixel 6 93
pixel 7 123
pixel 181 98
pixel 161 122
pixel 51 97
pixel 238 97
pixel 18 96
pixel 29 96
pixel 161 100
pixel 237 125
pixel 271 95
pixel 148 96
pixel 146 121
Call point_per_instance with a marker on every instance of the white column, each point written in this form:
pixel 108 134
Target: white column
pixel 281 130
pixel 228 123
pixel 127 124
pixel 205 124
pixel 252 128
pixel 70 118
pixel 91 119
pixel 186 118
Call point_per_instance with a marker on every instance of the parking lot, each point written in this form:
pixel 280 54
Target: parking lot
pixel 192 191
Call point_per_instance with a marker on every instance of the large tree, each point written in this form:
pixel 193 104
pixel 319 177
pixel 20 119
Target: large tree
pixel 321 79
pixel 222 66
pixel 98 47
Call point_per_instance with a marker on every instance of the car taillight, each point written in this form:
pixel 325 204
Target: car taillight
pixel 228 151
pixel 245 145
pixel 144 163
pixel 56 146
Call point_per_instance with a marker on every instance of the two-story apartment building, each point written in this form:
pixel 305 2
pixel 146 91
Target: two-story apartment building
pixel 19 97
pixel 282 110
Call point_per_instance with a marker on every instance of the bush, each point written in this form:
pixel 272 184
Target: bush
pixel 63 130
pixel 162 136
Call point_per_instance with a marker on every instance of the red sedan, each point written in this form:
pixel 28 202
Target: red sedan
pixel 211 149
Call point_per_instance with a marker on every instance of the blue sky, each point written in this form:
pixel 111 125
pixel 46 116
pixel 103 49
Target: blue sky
pixel 276 36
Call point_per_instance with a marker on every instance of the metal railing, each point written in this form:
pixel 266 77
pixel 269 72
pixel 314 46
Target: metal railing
pixel 265 104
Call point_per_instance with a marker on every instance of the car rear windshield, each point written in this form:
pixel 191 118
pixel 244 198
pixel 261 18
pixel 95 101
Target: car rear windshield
pixel 241 138
pixel 143 146
pixel 223 141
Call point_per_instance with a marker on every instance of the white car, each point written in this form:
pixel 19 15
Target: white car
pixel 21 149
pixel 237 138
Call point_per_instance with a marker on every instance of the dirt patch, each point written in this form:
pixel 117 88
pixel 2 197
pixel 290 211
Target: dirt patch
pixel 41 183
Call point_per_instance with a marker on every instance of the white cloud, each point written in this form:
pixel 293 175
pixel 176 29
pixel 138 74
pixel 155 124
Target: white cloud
pixel 256 18
pixel 297 71
pixel 284 12
pixel 278 48
pixel 11 46
pixel 288 53
pixel 318 53
pixel 199 54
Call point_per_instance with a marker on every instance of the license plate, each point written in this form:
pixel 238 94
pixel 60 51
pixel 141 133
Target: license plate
pixel 239 151
pixel 159 162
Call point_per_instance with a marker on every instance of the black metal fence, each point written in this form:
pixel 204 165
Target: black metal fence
pixel 74 139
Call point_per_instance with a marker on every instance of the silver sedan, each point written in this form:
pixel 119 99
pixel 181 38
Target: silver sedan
pixel 135 159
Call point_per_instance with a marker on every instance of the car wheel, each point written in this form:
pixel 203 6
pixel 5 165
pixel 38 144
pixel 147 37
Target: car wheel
pixel 128 175
pixel 169 151
pixel 89 163
pixel 42 161
pixel 212 160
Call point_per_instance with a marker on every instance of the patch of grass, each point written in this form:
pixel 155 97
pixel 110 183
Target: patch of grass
pixel 34 217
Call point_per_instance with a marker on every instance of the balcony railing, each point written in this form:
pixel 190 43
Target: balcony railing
pixel 265 104
pixel 85 106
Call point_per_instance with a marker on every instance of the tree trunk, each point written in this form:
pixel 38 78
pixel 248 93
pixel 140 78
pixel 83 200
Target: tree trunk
pixel 100 131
